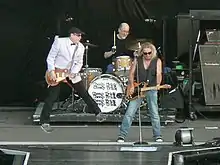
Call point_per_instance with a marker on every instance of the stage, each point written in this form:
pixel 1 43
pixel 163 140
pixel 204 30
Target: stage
pixel 76 115
pixel 91 144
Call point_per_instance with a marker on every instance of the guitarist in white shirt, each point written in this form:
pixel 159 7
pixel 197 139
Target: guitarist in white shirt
pixel 150 72
pixel 66 54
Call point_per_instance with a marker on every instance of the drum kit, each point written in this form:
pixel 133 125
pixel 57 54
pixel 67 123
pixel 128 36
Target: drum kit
pixel 108 90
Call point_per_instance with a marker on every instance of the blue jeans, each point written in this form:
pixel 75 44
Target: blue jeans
pixel 110 68
pixel 133 105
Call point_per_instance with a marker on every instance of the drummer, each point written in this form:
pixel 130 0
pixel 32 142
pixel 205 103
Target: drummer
pixel 118 46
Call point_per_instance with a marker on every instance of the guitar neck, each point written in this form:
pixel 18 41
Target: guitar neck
pixel 148 88
pixel 66 74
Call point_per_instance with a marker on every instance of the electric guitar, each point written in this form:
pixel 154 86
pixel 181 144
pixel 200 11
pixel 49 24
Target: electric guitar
pixel 61 75
pixel 141 88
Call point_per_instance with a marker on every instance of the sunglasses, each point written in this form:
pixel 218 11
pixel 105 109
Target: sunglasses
pixel 78 35
pixel 146 53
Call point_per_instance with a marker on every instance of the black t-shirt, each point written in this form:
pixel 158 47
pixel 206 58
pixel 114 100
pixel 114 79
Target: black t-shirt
pixel 121 49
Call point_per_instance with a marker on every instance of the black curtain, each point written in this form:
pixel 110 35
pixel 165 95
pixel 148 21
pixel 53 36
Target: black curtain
pixel 28 29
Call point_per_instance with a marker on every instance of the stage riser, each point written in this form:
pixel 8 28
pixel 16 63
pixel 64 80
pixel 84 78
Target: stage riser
pixel 67 116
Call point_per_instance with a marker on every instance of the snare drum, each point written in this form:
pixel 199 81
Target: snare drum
pixel 108 92
pixel 90 74
pixel 122 65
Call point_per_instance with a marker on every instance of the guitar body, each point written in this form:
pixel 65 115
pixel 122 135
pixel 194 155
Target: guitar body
pixel 61 75
pixel 141 88
pixel 137 91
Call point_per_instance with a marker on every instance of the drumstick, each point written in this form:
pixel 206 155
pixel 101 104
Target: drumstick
pixel 114 38
pixel 139 45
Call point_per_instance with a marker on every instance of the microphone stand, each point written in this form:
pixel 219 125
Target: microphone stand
pixel 140 142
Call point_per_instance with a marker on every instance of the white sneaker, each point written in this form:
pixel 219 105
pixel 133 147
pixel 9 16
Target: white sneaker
pixel 46 128
pixel 120 140
pixel 159 139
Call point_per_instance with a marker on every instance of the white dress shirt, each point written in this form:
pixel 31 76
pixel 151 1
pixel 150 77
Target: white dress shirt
pixel 62 56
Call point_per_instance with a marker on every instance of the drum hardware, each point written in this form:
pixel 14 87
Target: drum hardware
pixel 89 44
pixel 124 80
pixel 86 59
pixel 70 101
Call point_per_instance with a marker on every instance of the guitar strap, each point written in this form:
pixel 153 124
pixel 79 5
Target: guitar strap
pixel 71 64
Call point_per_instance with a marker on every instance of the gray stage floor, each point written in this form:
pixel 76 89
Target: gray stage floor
pixel 16 129
pixel 95 155
pixel 16 126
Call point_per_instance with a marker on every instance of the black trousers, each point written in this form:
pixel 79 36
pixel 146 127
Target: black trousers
pixel 53 93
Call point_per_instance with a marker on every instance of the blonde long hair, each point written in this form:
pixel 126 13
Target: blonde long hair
pixel 150 46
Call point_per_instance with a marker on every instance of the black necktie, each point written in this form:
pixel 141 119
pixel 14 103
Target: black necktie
pixel 73 44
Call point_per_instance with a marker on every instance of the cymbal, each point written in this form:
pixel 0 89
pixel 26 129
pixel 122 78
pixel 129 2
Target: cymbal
pixel 89 44
pixel 134 44
pixel 141 40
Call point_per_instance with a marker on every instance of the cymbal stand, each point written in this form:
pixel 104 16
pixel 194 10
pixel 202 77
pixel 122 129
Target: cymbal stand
pixel 86 66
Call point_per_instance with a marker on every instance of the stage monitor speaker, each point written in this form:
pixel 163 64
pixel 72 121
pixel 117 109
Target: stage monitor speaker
pixel 6 159
pixel 210 69
pixel 13 157
pixel 201 156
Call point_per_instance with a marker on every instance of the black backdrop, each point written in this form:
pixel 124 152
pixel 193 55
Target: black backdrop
pixel 28 29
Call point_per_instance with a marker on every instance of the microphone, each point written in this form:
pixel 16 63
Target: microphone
pixel 69 19
pixel 159 50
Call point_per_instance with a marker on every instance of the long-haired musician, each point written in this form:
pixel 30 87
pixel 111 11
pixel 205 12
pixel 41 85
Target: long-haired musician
pixel 149 70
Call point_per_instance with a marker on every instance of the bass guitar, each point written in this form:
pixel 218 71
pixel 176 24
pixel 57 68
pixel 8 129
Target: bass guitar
pixel 141 88
pixel 61 75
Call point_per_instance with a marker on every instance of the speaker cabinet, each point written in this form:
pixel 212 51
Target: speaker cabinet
pixel 210 69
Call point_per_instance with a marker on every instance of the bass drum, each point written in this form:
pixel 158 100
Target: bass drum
pixel 108 92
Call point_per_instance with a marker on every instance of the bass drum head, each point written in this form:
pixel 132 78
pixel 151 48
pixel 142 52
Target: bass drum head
pixel 107 91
